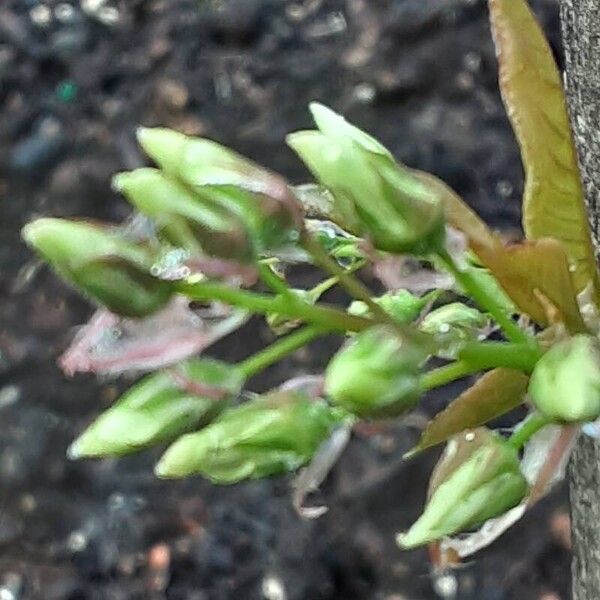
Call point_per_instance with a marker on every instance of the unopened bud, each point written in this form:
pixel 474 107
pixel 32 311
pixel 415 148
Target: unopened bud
pixel 565 384
pixel 99 261
pixel 376 374
pixel 262 198
pixel 159 408
pixel 478 478
pixel 453 325
pixel 186 219
pixel 273 434
pixel 401 305
pixel 373 194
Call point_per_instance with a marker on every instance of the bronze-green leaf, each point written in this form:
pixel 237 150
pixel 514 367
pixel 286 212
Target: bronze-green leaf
pixel 523 270
pixel 553 202
pixel 493 394
pixel 534 270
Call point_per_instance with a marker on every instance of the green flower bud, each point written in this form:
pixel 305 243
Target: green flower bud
pixel 159 408
pixel 478 478
pixel 376 374
pixel 260 197
pixel 373 195
pixel 452 325
pixel 272 434
pixel 99 261
pixel 565 384
pixel 188 220
pixel 401 305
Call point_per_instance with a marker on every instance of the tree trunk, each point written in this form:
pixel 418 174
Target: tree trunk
pixel 581 38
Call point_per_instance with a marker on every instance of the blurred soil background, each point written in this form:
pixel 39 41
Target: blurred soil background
pixel 76 79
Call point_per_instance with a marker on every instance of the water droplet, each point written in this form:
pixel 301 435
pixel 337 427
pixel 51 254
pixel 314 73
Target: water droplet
pixel 444 328
pixel 469 437
pixel 77 541
pixel 446 586
pixel 40 15
pixel 364 92
pixel 64 12
pixel 472 61
pixel 504 188
pixel 273 588
pixel 9 395
pixel 108 15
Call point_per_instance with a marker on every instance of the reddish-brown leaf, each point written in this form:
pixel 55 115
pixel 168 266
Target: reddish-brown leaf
pixel 493 394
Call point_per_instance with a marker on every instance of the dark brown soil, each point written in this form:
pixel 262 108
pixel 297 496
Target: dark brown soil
pixel 419 74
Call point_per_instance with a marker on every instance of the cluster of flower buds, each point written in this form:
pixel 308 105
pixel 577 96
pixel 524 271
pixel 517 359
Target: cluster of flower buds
pixel 160 408
pixel 272 434
pixel 374 196
pixel 376 374
pixel 223 178
pixel 477 478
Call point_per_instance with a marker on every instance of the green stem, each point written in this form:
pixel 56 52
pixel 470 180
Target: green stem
pixel 489 355
pixel 485 301
pixel 277 285
pixel 526 428
pixel 446 374
pixel 281 348
pixel 328 317
pixel 351 284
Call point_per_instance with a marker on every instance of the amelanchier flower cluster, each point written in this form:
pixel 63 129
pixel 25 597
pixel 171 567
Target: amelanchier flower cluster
pixel 232 226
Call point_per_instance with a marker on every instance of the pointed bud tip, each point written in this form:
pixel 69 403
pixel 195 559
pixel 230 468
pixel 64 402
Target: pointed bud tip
pixel 154 138
pixel 75 451
pixel 322 113
pixel 411 453
pixel 164 468
pixel 36 231
pixel 120 180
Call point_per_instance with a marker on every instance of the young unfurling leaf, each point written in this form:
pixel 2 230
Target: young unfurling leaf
pixel 530 83
pixel 523 270
pixel 532 273
pixel 478 478
pixel 494 394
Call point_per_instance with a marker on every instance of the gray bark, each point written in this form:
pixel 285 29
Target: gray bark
pixel 581 37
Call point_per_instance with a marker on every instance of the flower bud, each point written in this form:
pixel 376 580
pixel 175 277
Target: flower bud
pixel 376 374
pixel 272 434
pixel 373 195
pixel 565 384
pixel 260 197
pixel 452 325
pixel 401 305
pixel 188 220
pixel 478 478
pixel 99 261
pixel 159 408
